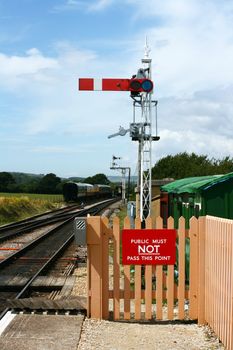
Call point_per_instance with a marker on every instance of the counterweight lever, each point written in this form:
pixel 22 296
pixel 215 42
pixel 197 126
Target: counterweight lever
pixel 121 132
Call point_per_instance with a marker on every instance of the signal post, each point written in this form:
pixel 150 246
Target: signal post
pixel 141 90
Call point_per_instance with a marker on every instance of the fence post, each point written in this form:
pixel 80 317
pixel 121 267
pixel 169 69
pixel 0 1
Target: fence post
pixel 181 255
pixel 116 268
pixel 201 271
pixel 170 280
pixel 126 281
pixel 105 231
pixel 193 268
pixel 94 267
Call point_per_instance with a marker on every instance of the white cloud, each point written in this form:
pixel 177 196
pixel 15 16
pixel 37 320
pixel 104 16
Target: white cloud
pixel 100 5
pixel 58 107
pixel 69 5
pixel 72 57
pixel 32 62
pixel 26 71
pixel 89 6
pixel 192 46
pixel 173 142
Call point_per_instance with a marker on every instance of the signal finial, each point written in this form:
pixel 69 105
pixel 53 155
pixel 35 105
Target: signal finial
pixel 147 49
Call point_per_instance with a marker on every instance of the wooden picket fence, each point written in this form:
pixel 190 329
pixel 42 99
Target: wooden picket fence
pixel 202 290
pixel 135 291
pixel 217 278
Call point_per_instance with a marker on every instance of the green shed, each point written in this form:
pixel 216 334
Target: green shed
pixel 202 195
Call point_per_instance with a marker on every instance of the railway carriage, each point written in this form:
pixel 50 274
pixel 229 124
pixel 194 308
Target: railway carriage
pixel 74 191
pixel 102 190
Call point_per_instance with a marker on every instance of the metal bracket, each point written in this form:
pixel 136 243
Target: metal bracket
pixel 121 132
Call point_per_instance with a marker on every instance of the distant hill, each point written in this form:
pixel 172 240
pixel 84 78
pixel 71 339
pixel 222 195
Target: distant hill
pixel 133 179
pixel 75 179
pixel 21 178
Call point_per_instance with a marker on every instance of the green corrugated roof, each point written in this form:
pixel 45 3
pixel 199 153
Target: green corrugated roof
pixel 195 184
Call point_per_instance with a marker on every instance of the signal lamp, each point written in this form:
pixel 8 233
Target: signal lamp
pixel 147 85
pixel 140 85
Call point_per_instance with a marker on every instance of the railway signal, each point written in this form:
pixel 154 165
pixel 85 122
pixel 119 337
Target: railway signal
pixel 140 87
pixel 123 170
pixel 133 84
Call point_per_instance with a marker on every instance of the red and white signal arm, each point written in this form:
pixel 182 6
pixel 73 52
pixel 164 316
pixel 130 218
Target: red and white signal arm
pixel 103 84
pixel 108 84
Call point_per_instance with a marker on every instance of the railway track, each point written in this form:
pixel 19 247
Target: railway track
pixel 36 258
pixel 40 216
pixel 27 225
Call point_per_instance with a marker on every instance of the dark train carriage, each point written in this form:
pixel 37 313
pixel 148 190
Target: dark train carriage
pixel 72 191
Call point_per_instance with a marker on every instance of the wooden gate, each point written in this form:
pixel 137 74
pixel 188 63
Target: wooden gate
pixel 147 291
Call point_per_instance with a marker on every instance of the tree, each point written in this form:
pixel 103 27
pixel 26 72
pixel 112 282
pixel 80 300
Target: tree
pixel 6 180
pixel 49 184
pixel 97 179
pixel 30 186
pixel 184 165
pixel 224 165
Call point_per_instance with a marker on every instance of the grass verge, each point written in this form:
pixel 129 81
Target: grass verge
pixel 57 198
pixel 18 208
pixel 122 214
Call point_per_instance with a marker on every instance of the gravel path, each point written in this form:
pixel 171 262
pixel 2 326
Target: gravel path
pixel 108 335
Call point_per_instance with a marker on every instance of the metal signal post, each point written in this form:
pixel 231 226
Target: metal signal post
pixel 142 132
pixel 141 89
pixel 123 170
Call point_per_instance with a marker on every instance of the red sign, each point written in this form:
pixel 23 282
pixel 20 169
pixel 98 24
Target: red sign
pixel 149 247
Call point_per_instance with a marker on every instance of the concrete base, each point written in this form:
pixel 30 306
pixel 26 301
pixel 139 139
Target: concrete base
pixel 42 332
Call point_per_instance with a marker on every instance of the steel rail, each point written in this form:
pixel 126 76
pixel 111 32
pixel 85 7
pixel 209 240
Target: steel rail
pixel 25 227
pixel 31 227
pixel 38 216
pixel 37 224
pixel 25 289
pixel 93 210
pixel 59 251
pixel 30 245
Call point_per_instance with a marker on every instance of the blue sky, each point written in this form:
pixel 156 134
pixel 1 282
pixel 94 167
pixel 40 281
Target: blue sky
pixel 47 125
